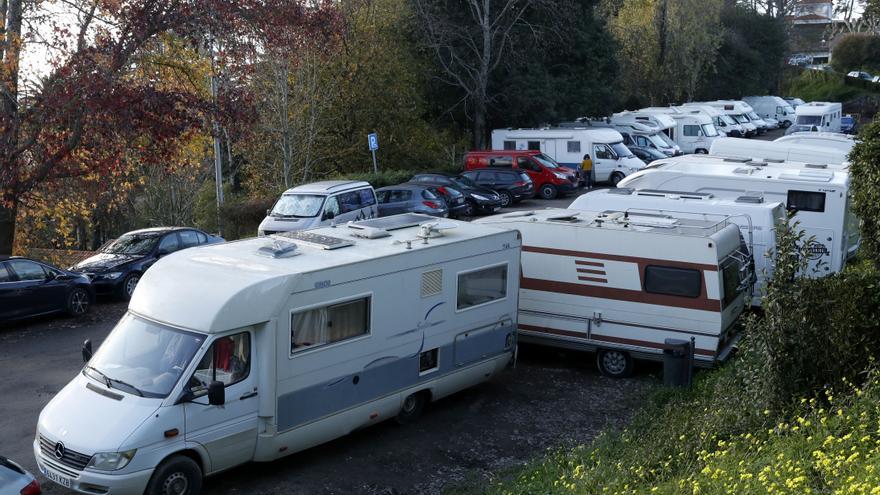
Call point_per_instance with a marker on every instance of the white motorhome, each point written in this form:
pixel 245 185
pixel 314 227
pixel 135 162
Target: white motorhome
pixel 612 160
pixel 659 121
pixel 257 349
pixel 772 107
pixel 819 115
pixel 818 194
pixel 832 140
pixel 725 124
pixel 694 130
pixel 738 111
pixel 778 150
pixel 622 284
pixel 756 218
pixel 636 134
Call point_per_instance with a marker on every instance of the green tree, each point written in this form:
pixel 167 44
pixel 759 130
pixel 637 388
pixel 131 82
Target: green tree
pixel 856 51
pixel 865 173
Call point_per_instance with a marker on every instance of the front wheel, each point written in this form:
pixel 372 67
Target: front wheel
pixel 178 475
pixel 506 199
pixel 701 151
pixel 616 177
pixel 614 363
pixel 548 191
pixel 129 284
pixel 470 209
pixel 78 302
pixel 412 408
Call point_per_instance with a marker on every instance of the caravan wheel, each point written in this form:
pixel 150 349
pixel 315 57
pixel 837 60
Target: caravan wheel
pixel 412 408
pixel 614 364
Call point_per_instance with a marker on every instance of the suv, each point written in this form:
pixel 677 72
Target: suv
pixel 550 179
pixel 512 186
pixel 477 199
pixel 318 204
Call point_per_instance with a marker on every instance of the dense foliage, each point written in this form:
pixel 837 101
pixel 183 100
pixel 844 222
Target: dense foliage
pixel 865 170
pixel 857 51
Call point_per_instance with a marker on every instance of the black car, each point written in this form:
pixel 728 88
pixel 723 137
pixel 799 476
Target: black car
pixel 478 199
pixel 647 155
pixel 117 268
pixel 512 186
pixel 454 198
pixel 32 288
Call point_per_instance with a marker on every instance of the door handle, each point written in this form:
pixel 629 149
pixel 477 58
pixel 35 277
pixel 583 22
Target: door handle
pixel 248 395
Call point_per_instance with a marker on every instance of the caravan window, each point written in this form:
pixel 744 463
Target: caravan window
pixel 482 286
pixel 329 324
pixel 574 146
pixel 806 201
pixel 730 280
pixel 684 282
pixel 509 145
pixel 535 145
pixel 692 130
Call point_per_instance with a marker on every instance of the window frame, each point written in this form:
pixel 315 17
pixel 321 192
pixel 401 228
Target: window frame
pixel 509 145
pixel 210 350
pixel 571 145
pixel 810 210
pixel 17 276
pixel 693 127
pixel 178 244
pixel 326 304
pixel 663 267
pixel 478 269
pixel 8 272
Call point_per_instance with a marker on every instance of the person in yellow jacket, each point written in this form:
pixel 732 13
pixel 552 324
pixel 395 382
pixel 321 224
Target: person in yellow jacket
pixel 587 168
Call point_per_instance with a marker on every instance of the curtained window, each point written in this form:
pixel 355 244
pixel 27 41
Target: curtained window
pixel 328 324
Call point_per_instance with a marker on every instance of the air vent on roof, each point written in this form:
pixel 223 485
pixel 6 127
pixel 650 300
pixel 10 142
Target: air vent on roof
pixel 744 170
pixel 367 232
pixel 316 240
pixel 816 165
pixel 517 214
pixel 571 218
pixel 626 191
pixel 432 283
pixel 774 160
pixel 278 249
pixel 396 221
pixel 757 163
pixel 750 199
pixel 737 159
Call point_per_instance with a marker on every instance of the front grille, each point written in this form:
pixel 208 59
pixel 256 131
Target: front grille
pixel 70 458
pixel 70 473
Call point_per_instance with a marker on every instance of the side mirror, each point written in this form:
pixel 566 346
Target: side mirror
pixel 87 350
pixel 269 212
pixel 329 215
pixel 216 394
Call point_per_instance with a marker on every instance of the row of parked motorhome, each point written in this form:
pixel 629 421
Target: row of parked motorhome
pixel 256 349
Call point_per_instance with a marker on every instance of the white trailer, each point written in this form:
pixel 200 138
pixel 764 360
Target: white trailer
pixel 257 349
pixel 725 124
pixel 772 107
pixel 818 194
pixel 738 111
pixel 756 218
pixel 819 115
pixel 612 160
pixel 779 150
pixel 833 140
pixel 622 284
pixel 694 131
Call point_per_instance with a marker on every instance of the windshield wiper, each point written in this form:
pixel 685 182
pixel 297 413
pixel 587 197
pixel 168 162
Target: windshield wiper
pixel 96 370
pixel 124 383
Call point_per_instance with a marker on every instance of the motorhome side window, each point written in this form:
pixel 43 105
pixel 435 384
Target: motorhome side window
pixel 574 146
pixel 730 279
pixel 670 281
pixel 535 145
pixel 806 201
pixel 227 361
pixel 691 130
pixel 509 145
pixel 329 324
pixel 482 286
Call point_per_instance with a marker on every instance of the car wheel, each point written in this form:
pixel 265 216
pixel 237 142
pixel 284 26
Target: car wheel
pixel 616 177
pixel 78 302
pixel 178 475
pixel 506 199
pixel 548 191
pixel 701 151
pixel 130 284
pixel 412 407
pixel 614 364
pixel 470 209
pixel 785 124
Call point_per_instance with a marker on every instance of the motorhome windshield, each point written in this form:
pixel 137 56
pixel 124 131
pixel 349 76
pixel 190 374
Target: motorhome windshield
pixel 298 205
pixel 727 119
pixel 753 116
pixel 143 358
pixel 740 118
pixel 546 161
pixel 670 143
pixel 709 130
pixel 658 141
pixel 621 150
pixel 809 120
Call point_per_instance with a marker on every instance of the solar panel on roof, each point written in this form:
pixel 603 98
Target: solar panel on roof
pixel 317 240
pixel 396 221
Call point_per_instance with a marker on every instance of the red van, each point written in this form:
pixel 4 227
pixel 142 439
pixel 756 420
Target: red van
pixel 550 178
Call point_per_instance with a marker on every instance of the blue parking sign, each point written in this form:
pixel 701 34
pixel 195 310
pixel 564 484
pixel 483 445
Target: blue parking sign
pixel 373 140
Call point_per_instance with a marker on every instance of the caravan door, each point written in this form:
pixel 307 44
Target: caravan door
pixel 604 162
pixel 227 432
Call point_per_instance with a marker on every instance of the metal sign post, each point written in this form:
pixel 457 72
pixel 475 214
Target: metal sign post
pixel 373 141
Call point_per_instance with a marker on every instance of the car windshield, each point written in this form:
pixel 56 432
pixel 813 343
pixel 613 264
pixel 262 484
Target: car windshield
pixel 546 161
pixel 139 244
pixel 621 150
pixel 809 120
pixel 658 141
pixel 298 205
pixel 142 357
pixel 709 130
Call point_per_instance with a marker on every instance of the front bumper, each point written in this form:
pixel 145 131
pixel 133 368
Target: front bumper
pixel 523 194
pixel 104 287
pixel 91 482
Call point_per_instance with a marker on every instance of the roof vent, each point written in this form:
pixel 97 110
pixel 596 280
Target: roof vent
pixel 517 214
pixel 625 191
pixel 750 199
pixel 737 159
pixel 744 170
pixel 757 163
pixel 816 165
pixel 315 240
pixel 367 232
pixel 394 222
pixel 278 248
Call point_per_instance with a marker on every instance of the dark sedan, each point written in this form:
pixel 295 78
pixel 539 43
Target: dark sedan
pixel 478 199
pixel 118 267
pixel 512 186
pixel 31 288
pixel 410 198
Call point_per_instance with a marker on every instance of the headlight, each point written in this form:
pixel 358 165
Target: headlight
pixel 560 176
pixel 112 275
pixel 480 197
pixel 111 461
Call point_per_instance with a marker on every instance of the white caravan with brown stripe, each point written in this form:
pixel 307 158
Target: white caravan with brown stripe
pixel 622 283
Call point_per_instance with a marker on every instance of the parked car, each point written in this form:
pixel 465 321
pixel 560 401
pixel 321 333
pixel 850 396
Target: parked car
pixel 801 128
pixel 512 186
pixel 478 199
pixel 860 75
pixel 454 198
pixel 647 155
pixel 318 204
pixel 550 178
pixel 15 480
pixel 848 124
pixel 31 288
pixel 117 268
pixel 410 198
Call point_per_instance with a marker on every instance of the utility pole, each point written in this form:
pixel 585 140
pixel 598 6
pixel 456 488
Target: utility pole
pixel 218 157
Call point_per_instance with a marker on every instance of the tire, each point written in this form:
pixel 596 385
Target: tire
pixel 506 199
pixel 412 408
pixel 614 363
pixel 548 191
pixel 470 210
pixel 701 151
pixel 786 124
pixel 177 475
pixel 616 177
pixel 78 302
pixel 129 284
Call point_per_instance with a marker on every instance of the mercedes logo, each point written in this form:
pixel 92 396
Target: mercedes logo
pixel 59 450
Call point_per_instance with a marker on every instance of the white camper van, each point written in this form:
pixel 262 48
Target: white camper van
pixel 644 136
pixel 756 218
pixel 622 284
pixel 724 123
pixel 660 121
pixel 778 150
pixel 320 203
pixel 612 160
pixel 818 194
pixel 832 140
pixel 257 349
pixel 773 107
pixel 738 111
pixel 819 115
pixel 694 131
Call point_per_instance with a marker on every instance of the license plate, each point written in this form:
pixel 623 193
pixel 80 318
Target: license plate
pixel 496 209
pixel 57 478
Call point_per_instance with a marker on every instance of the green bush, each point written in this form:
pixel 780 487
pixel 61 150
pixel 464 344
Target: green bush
pixel 811 85
pixel 865 174
pixel 856 51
